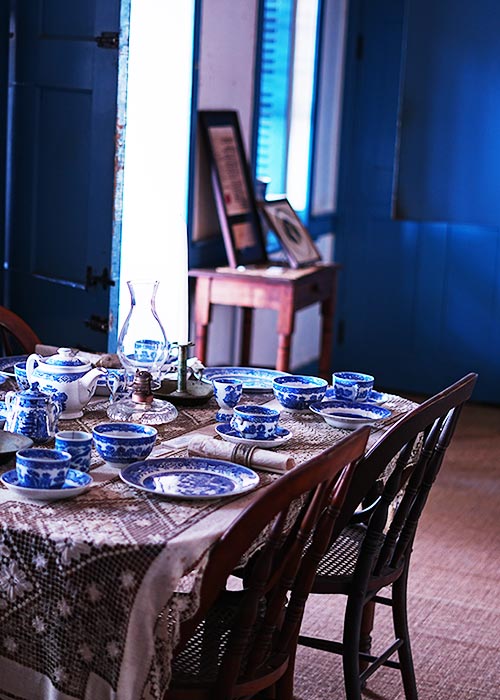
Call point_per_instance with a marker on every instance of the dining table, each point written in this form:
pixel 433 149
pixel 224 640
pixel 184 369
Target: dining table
pixel 94 588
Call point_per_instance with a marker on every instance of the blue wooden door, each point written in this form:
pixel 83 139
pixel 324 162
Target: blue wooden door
pixel 419 301
pixel 63 65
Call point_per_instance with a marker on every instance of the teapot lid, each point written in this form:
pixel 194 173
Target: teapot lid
pixel 65 357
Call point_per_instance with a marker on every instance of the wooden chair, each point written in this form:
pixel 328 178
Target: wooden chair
pixel 375 552
pixel 243 641
pixel 16 337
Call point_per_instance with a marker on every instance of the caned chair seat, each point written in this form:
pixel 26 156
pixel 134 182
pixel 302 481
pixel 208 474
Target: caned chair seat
pixel 339 562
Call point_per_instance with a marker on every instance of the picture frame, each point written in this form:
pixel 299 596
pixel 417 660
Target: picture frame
pixel 233 190
pixel 294 237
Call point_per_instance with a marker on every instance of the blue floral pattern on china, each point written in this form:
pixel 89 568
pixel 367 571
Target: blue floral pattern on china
pixel 253 378
pixel 190 477
pixel 32 413
pixel 122 443
pixel 298 392
pixel 40 468
pixel 76 482
pixel 258 422
pixel 350 415
pixel 64 373
pixel 226 432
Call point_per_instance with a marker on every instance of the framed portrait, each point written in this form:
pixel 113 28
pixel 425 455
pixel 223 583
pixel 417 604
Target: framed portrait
pixel 237 210
pixel 295 239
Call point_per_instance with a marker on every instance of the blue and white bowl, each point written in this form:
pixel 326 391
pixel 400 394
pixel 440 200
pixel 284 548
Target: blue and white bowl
pixel 255 422
pixel 41 468
pixel 123 443
pixel 298 392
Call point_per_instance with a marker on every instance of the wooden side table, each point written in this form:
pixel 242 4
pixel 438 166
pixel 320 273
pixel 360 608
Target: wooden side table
pixel 282 289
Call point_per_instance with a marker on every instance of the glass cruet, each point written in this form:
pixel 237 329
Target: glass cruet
pixel 143 348
pixel 142 343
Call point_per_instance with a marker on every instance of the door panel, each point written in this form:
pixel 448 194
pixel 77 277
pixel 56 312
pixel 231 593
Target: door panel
pixel 419 302
pixel 63 93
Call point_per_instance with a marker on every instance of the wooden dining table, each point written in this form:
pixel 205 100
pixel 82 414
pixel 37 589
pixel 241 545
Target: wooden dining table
pixel 93 589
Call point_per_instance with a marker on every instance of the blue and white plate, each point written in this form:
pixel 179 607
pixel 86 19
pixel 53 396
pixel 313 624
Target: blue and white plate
pixel 230 435
pixel 350 415
pixel 253 378
pixel 376 397
pixel 76 483
pixel 190 477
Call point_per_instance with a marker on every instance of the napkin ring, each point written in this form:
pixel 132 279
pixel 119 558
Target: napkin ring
pixel 242 454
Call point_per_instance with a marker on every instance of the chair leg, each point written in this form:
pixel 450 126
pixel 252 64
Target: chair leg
pixel 365 637
pixel 400 619
pixel 284 687
pixel 350 657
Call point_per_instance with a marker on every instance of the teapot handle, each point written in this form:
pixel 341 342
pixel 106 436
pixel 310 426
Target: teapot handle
pixel 31 363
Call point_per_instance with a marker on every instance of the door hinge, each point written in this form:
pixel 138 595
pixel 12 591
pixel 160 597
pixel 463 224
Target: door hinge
pixel 97 323
pixel 107 40
pixel 103 279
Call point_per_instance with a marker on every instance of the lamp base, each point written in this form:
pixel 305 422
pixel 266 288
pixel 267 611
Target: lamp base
pixel 195 393
pixel 153 413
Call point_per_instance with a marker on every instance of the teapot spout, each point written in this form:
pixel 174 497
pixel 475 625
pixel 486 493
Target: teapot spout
pixel 88 383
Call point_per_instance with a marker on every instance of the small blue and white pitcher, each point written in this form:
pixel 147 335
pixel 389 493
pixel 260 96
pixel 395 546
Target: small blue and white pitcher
pixel 32 413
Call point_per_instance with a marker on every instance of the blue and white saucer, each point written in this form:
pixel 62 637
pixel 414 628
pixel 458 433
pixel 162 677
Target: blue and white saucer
pixel 190 477
pixel 230 435
pixel 377 397
pixel 76 483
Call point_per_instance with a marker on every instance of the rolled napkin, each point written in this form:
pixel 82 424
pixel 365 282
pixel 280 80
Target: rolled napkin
pixel 201 446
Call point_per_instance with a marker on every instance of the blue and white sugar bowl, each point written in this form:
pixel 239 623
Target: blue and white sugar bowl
pixel 69 379
pixel 32 413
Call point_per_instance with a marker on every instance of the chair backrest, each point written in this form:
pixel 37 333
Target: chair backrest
pixel 16 337
pixel 407 460
pixel 301 505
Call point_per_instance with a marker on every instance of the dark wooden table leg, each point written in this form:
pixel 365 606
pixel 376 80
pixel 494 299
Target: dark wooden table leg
pixel 246 336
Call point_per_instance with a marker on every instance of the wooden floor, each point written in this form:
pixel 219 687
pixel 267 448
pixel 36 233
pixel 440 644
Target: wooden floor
pixel 454 585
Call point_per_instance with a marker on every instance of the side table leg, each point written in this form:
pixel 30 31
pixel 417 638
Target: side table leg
pixel 202 317
pixel 283 356
pixel 326 338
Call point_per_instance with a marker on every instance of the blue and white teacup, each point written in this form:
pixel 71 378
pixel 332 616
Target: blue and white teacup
pixel 255 422
pixel 21 376
pixel 146 350
pixel 40 468
pixel 227 392
pixel 119 383
pixel 79 444
pixel 352 386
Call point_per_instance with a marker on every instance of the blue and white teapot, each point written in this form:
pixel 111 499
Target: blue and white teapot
pixel 32 413
pixel 66 377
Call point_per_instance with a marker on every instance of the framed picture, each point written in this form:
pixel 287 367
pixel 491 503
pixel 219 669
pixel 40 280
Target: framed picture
pixel 295 239
pixel 237 210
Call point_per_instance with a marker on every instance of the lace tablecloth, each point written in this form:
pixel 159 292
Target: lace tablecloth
pixel 85 582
